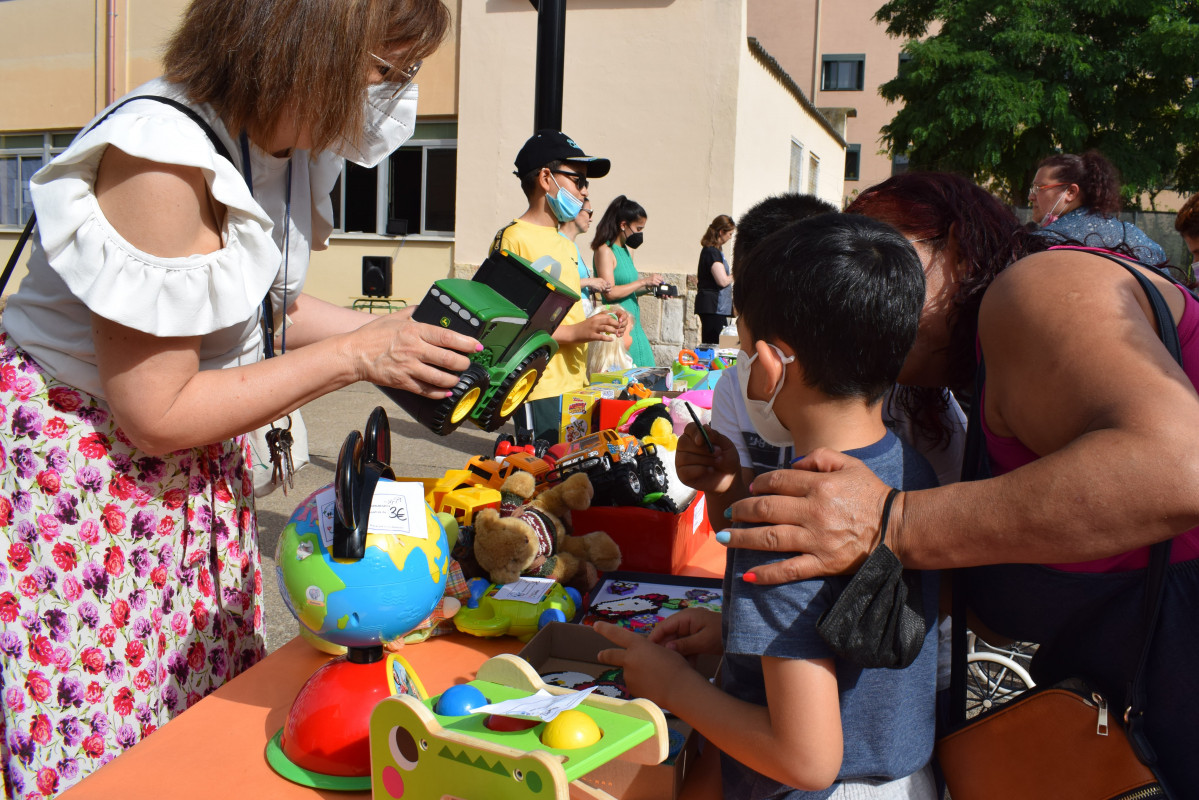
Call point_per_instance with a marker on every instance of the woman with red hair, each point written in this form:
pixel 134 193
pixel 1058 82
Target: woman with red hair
pixel 1092 432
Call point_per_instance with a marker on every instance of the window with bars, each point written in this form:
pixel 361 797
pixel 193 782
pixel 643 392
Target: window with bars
pixel 21 155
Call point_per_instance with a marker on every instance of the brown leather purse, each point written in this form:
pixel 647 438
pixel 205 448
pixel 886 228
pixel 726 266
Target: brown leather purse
pixel 1058 742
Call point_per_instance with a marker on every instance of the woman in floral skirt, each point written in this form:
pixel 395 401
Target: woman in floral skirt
pixel 131 363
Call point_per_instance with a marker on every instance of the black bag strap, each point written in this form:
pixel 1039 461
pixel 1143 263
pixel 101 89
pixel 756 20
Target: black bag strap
pixel 976 466
pixel 191 114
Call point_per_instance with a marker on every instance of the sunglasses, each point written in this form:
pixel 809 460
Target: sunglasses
pixel 393 76
pixel 580 181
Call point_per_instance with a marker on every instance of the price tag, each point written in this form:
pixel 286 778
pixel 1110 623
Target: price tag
pixel 398 509
pixel 542 704
pixel 326 505
pixel 526 590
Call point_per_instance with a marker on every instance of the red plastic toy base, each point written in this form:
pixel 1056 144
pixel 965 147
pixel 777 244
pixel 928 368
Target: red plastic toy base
pixel 328 728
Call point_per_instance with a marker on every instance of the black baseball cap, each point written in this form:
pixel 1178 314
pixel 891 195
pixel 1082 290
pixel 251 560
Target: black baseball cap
pixel 549 145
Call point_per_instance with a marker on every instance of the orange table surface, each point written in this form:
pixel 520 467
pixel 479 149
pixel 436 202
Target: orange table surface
pixel 216 748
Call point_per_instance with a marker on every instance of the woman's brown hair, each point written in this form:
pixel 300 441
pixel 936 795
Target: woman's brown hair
pixel 1096 177
pixel 255 61
pixel 719 225
pixel 1187 221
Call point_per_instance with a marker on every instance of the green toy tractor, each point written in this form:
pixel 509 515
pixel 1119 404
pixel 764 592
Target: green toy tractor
pixel 513 308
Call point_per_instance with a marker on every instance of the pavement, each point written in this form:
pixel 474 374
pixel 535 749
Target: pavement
pixel 415 452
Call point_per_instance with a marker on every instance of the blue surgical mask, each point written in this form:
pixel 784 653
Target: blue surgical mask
pixel 564 204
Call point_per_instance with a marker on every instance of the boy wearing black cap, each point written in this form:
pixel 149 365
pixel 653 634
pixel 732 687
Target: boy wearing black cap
pixel 553 173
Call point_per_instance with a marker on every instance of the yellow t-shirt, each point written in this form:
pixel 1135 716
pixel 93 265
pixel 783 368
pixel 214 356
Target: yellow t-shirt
pixel 567 371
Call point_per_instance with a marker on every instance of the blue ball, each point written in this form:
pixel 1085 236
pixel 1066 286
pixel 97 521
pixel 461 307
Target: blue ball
pixel 458 701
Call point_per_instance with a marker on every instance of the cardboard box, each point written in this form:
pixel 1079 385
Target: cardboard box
pixel 565 647
pixel 577 419
pixel 608 412
pixel 650 541
pixel 655 379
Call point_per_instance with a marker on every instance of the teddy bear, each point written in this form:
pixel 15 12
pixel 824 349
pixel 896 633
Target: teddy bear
pixel 528 535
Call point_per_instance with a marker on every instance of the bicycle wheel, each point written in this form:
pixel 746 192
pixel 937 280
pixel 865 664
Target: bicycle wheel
pixel 992 680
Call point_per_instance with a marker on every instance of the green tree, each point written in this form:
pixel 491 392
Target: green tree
pixel 1003 83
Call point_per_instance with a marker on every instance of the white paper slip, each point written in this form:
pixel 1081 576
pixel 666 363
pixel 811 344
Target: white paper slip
pixel 542 705
pixel 526 590
pixel 398 509
pixel 326 505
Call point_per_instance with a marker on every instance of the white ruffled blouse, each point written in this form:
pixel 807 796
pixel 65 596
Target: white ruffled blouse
pixel 79 264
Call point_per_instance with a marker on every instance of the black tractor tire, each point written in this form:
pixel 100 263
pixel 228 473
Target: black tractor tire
pixel 446 415
pixel 498 410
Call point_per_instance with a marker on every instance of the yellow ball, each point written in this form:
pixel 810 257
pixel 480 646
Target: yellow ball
pixel 570 730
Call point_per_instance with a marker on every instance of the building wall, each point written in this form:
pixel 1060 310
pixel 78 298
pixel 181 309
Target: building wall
pixel 768 119
pixel 800 32
pixel 654 91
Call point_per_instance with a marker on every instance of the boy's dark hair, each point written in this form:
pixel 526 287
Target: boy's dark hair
pixel 528 181
pixel 854 288
pixel 772 214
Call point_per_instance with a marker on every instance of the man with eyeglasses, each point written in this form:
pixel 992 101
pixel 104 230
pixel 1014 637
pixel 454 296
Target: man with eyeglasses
pixel 553 172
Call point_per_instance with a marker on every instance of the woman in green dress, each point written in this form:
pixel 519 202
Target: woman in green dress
pixel 619 231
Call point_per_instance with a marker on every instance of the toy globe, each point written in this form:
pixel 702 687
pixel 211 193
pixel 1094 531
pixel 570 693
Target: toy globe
pixel 358 582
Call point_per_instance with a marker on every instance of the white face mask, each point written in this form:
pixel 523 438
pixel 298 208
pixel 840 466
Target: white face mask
pixel 387 123
pixel 761 412
pixel 1051 217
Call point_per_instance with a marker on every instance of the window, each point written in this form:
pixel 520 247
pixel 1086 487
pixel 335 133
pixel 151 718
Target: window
pixel 21 155
pixel 843 72
pixel 795 180
pixel 853 162
pixel 412 192
pixel 813 174
pixel 899 164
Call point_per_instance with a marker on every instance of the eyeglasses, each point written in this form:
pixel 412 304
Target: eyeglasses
pixel 590 212
pixel 1037 187
pixel 392 75
pixel 580 181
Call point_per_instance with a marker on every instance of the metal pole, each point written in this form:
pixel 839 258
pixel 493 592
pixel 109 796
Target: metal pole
pixel 551 58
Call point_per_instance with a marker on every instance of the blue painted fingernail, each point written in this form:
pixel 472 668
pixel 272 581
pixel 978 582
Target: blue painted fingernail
pixel 723 537
pixel 728 513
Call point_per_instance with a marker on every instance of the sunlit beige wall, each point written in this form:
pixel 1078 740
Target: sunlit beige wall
pixel 768 118
pixel 649 84
pixel 799 32
pixel 52 69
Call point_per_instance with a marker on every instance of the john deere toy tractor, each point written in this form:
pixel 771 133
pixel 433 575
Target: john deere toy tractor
pixel 513 308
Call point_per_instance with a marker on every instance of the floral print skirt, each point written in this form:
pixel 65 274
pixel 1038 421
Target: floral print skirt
pixel 130 584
